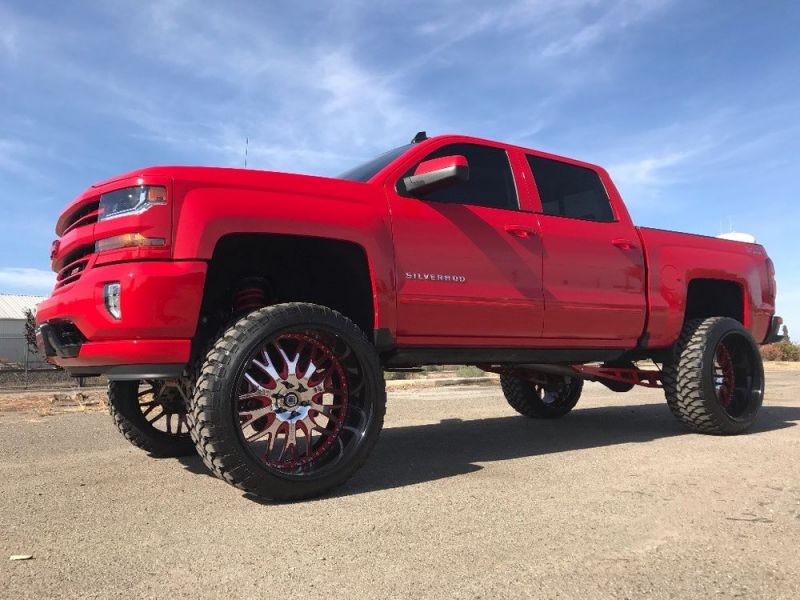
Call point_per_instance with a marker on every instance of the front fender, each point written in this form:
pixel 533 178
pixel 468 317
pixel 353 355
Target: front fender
pixel 303 206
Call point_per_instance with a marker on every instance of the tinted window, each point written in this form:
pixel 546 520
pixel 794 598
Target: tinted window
pixel 490 180
pixel 364 172
pixel 570 191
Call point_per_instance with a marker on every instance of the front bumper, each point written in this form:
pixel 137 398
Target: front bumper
pixel 773 334
pixel 160 309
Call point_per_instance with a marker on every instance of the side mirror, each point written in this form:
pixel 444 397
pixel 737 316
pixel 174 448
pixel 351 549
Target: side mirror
pixel 437 172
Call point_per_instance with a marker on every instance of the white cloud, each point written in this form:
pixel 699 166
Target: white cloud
pixel 648 171
pixel 19 158
pixel 8 44
pixel 14 280
pixel 9 36
pixel 686 150
pixel 612 21
pixel 553 27
pixel 300 106
pixel 302 99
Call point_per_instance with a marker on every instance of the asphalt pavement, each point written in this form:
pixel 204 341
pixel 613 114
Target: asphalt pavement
pixel 462 498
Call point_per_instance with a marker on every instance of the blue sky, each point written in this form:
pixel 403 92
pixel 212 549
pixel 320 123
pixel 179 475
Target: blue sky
pixel 692 105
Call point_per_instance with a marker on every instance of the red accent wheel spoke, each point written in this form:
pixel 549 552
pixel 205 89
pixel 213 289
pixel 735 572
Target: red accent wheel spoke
pixel 291 383
pixel 724 376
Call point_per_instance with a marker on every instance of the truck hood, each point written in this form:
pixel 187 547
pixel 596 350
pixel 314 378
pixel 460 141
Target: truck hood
pixel 248 178
pixel 224 177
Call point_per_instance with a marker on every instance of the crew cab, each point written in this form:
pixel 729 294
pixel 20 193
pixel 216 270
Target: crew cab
pixel 248 315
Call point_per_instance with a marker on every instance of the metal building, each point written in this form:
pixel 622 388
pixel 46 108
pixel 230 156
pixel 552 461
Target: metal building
pixel 14 352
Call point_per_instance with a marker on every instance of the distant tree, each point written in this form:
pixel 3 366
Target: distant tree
pixel 786 332
pixel 30 329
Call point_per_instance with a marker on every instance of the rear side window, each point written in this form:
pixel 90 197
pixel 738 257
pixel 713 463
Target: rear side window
pixel 570 191
pixel 490 183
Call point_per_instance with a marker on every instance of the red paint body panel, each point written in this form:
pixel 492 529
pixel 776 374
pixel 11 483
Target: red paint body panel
pixel 442 162
pixel 501 301
pixel 676 259
pixel 212 203
pixel 448 275
pixel 160 304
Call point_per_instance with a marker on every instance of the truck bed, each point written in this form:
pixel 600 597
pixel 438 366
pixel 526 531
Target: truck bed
pixel 683 257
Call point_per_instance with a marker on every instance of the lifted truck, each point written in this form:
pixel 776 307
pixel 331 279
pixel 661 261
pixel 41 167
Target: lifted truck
pixel 248 315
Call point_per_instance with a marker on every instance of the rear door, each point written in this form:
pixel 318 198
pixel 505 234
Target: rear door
pixel 593 273
pixel 469 263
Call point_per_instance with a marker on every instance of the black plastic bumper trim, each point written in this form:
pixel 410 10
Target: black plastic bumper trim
pixel 130 372
pixel 405 357
pixel 48 342
pixel 384 340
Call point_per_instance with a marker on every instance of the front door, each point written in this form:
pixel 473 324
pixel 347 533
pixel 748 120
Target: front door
pixel 469 262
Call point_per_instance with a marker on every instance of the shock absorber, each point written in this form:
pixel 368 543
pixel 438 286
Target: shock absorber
pixel 250 294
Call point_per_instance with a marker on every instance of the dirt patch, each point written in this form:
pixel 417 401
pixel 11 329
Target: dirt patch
pixel 52 402
pixel 47 403
pixel 781 365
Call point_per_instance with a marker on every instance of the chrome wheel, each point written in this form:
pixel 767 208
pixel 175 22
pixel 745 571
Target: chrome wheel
pixel 164 405
pixel 557 393
pixel 289 402
pixel 714 377
pixel 295 407
pixel 737 378
pixel 546 397
pixel 153 415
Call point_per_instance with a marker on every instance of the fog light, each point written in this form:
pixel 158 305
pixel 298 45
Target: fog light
pixel 111 295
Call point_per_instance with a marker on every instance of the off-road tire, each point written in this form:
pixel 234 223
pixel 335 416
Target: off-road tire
pixel 123 405
pixel 525 397
pixel 689 377
pixel 216 429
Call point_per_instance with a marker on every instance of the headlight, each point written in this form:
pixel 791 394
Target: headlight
pixel 131 200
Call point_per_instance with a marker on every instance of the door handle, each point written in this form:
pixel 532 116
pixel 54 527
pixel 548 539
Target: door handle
pixel 623 244
pixel 520 231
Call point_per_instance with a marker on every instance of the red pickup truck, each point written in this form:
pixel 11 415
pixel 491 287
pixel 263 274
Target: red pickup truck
pixel 249 315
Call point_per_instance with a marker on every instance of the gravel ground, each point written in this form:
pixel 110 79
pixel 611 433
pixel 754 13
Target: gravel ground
pixel 461 499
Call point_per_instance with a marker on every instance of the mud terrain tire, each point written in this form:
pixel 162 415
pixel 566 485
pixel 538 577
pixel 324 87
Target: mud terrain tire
pixel 233 411
pixel 714 380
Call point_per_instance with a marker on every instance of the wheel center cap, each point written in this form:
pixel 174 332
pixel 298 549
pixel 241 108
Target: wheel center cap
pixel 290 400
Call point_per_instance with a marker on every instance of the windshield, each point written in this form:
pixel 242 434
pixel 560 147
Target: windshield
pixel 364 172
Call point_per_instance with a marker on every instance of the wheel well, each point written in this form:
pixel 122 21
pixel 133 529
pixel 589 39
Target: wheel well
pixel 714 298
pixel 288 268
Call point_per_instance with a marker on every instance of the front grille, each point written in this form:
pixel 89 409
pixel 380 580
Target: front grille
pixel 72 271
pixel 86 215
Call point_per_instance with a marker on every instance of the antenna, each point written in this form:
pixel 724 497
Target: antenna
pixel 246 146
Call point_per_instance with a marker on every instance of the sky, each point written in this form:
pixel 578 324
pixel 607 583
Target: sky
pixel 693 106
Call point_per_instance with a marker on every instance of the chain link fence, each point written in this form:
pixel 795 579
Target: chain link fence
pixel 22 367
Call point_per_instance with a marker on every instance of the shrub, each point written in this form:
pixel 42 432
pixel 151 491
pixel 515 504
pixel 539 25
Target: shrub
pixel 784 350
pixel 468 371
pixel 395 375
